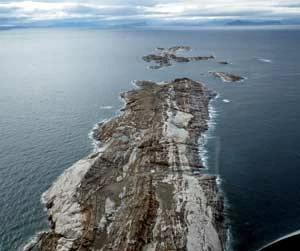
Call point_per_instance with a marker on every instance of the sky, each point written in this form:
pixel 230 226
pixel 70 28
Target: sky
pixel 150 12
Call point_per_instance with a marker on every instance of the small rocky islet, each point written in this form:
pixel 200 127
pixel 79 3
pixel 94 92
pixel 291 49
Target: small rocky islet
pixel 228 77
pixel 165 57
pixel 145 188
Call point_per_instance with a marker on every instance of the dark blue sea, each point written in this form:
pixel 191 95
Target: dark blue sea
pixel 56 84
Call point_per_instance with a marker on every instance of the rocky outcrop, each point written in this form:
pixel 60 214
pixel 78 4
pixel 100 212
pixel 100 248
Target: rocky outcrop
pixel 222 62
pixel 227 77
pixel 144 189
pixel 165 57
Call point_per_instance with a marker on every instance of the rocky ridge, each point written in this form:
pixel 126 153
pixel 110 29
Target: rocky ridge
pixel 144 189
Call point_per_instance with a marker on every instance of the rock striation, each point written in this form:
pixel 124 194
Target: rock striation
pixel 164 57
pixel 144 189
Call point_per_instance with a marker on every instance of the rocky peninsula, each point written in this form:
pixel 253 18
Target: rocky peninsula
pixel 144 189
pixel 164 57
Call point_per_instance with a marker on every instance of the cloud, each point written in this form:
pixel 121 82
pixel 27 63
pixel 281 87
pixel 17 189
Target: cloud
pixel 106 11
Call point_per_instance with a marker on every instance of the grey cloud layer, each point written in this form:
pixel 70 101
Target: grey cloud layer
pixel 20 12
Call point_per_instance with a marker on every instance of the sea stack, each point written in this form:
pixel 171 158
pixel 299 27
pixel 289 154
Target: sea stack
pixel 144 189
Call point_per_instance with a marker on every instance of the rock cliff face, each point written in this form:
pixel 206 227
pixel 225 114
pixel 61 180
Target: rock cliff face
pixel 144 189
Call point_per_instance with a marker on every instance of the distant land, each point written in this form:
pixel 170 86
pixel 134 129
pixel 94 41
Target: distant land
pixel 247 22
pixel 127 24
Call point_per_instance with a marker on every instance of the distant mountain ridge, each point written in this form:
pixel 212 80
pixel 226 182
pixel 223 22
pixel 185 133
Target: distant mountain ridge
pixel 247 22
pixel 129 24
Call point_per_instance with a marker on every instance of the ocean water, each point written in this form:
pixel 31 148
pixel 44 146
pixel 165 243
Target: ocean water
pixel 56 84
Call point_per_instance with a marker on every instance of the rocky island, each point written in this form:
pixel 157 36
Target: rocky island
pixel 223 62
pixel 227 77
pixel 144 189
pixel 165 57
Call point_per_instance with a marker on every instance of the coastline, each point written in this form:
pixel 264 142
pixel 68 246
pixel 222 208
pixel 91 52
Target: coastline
pixel 204 140
pixel 66 123
pixel 72 187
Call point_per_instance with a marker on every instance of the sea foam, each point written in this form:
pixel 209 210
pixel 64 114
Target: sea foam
pixel 96 143
pixel 203 140
pixel 265 60
pixel 106 107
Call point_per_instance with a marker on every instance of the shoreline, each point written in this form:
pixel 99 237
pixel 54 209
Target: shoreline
pixel 68 232
pixel 207 135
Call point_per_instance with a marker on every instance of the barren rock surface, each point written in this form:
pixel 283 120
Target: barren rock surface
pixel 227 77
pixel 145 188
pixel 223 62
pixel 165 57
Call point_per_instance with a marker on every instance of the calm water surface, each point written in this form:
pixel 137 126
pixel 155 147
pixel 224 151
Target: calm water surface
pixel 54 84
